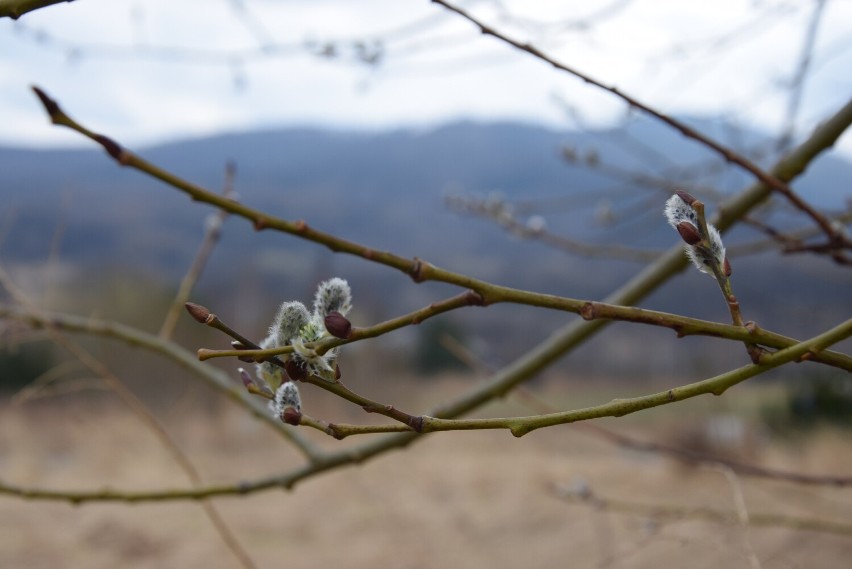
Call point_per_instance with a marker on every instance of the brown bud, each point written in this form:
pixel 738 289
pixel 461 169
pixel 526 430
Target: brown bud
pixel 688 232
pixel 246 378
pixel 200 313
pixel 337 372
pixel 296 370
pixel 686 196
pixel 291 416
pixel 337 325
pixel 726 267
pixel 111 146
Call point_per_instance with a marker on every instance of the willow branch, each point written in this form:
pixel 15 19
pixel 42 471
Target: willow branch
pixel 14 9
pixel 130 336
pixel 204 316
pixel 589 310
pixel 520 426
pixel 777 184
pixel 421 270
pixel 657 511
pixel 530 400
pixel 212 234
pixel 146 417
pixel 561 343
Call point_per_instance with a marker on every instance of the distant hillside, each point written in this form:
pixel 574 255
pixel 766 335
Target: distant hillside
pixel 386 190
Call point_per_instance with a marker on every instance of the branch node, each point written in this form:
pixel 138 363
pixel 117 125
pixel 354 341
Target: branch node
pixel 417 270
pixel 588 311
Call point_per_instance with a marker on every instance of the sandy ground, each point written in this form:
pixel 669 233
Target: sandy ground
pixel 454 500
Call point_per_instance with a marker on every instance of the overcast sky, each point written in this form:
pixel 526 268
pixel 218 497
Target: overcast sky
pixel 159 69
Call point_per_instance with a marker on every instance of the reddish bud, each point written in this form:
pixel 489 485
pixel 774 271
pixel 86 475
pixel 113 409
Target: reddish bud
pixel 686 196
pixel 688 232
pixel 111 146
pixel 246 378
pixel 296 370
pixel 726 267
pixel 337 325
pixel 337 372
pixel 200 313
pixel 291 416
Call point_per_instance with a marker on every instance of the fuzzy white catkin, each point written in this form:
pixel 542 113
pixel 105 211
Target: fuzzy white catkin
pixel 332 295
pixel 678 211
pixel 288 323
pixel 287 395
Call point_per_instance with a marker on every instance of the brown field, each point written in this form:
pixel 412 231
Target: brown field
pixel 454 500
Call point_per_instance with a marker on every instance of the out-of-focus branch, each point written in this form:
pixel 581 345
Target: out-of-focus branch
pixel 137 338
pixel 836 239
pixel 797 86
pixel 16 8
pixel 145 416
pixel 212 234
pixel 582 494
pixel 502 215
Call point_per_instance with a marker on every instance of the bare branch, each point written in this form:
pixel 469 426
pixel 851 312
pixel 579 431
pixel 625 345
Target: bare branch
pixel 837 239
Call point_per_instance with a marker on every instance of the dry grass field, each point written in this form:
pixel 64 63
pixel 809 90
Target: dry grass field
pixel 454 500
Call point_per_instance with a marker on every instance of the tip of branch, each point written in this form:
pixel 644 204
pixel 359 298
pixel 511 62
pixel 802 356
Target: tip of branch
pixel 686 196
pixel 199 313
pixel 50 106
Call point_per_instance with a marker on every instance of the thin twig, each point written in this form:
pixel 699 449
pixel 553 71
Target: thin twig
pixel 529 399
pixel 560 343
pixel 145 416
pixel 213 377
pixel 212 234
pixel 742 512
pixel 657 511
pixel 14 9
pixel 729 155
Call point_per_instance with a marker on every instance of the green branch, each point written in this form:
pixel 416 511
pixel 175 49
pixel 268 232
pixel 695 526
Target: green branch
pixel 16 8
pixel 777 183
pixel 137 338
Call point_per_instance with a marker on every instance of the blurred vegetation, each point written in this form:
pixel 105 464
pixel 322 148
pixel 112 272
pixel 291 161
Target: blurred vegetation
pixel 22 364
pixel 815 400
pixel 430 354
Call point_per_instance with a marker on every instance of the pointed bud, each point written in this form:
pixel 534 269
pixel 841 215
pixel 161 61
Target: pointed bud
pixel 688 232
pixel 246 378
pixel 201 314
pixel 337 372
pixel 337 325
pixel 726 268
pixel 686 196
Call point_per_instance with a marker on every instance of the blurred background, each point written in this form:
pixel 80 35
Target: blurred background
pixel 398 125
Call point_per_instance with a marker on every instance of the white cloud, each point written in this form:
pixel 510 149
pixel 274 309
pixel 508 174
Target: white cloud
pixel 733 53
